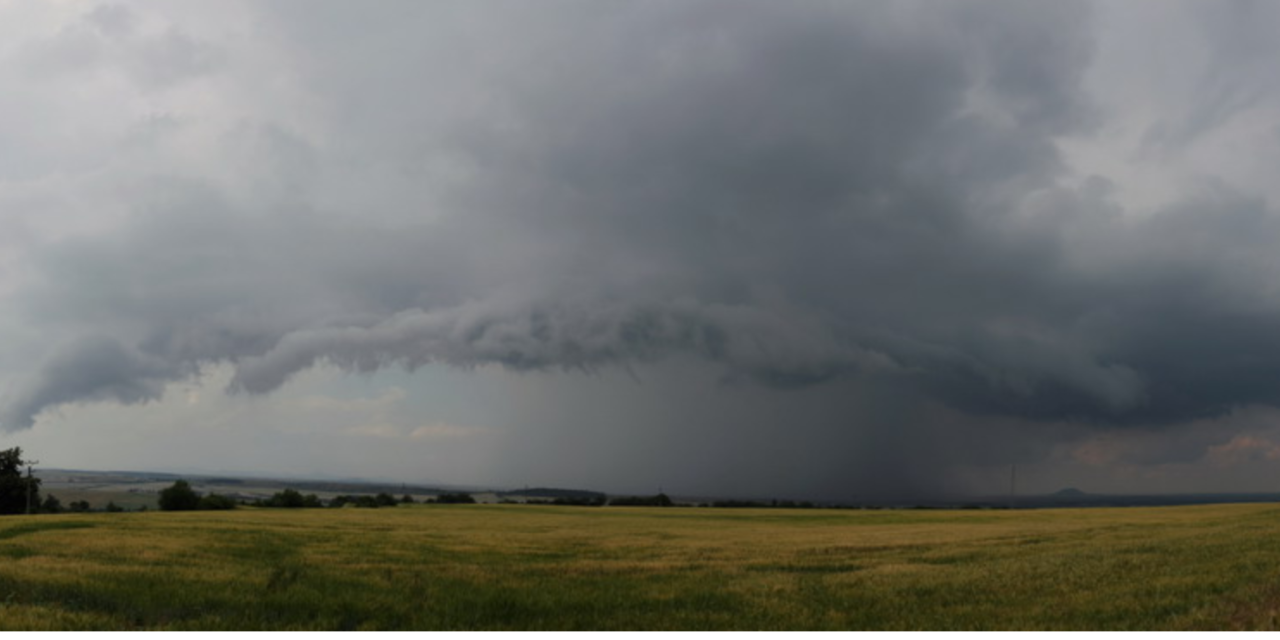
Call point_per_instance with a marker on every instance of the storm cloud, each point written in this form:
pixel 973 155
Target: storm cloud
pixel 946 205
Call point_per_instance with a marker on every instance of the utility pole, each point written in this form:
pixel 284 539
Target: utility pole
pixel 30 485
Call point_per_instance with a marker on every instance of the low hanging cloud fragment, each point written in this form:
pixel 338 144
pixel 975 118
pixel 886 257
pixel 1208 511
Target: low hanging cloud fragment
pixel 94 368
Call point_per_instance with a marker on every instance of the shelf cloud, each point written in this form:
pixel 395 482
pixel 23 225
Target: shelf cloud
pixel 965 203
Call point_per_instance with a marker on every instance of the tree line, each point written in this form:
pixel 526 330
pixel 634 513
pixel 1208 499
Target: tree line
pixel 20 493
pixel 181 497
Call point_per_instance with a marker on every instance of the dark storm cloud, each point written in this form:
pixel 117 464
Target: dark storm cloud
pixel 527 336
pixel 807 194
pixel 91 368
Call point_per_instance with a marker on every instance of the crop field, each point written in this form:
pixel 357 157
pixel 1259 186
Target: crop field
pixel 542 567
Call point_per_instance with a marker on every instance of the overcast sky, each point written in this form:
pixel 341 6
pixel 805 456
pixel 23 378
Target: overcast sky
pixel 805 249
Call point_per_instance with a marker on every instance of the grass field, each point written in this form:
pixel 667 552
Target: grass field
pixel 537 567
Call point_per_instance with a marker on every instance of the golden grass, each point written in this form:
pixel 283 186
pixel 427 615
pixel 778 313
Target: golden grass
pixel 539 567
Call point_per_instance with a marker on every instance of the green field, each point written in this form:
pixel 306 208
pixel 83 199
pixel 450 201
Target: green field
pixel 538 567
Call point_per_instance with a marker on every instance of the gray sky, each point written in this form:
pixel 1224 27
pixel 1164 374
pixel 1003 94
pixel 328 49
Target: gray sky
pixel 817 249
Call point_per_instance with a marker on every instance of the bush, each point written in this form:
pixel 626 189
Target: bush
pixel 455 498
pixel 112 507
pixel 51 505
pixel 179 497
pixel 595 501
pixel 364 502
pixel 291 499
pixel 660 500
pixel 287 499
pixel 216 502
pixel 78 506
pixel 738 504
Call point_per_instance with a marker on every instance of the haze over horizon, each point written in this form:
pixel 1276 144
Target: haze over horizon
pixel 725 247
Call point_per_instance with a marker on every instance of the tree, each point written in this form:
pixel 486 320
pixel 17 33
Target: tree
pixel 455 498
pixel 368 502
pixel 51 504
pixel 660 500
pixel 215 502
pixel 287 499
pixel 179 497
pixel 17 492
pixel 580 501
pixel 292 499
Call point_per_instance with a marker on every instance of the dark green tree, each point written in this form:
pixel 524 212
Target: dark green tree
pixel 179 497
pixel 17 491
pixel 215 502
pixel 287 499
pixel 455 498
pixel 660 500
pixel 51 504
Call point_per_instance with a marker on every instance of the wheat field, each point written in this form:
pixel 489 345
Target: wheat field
pixel 542 567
